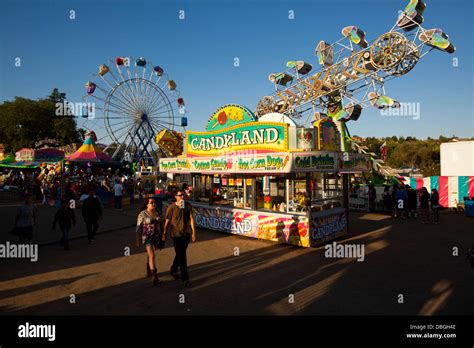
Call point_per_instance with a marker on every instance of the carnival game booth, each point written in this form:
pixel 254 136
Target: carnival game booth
pixel 268 178
pixel 32 167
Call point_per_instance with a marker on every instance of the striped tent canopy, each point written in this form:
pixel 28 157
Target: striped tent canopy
pixel 451 189
pixel 89 152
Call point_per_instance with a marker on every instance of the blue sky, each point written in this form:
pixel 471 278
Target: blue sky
pixel 198 52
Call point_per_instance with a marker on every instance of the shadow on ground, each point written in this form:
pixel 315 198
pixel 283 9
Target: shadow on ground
pixel 402 257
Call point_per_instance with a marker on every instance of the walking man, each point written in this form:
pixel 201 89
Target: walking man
pixel 92 213
pixel 178 221
pixel 118 192
pixel 66 218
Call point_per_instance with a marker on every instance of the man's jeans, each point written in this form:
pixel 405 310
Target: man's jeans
pixel 118 202
pixel 92 226
pixel 180 260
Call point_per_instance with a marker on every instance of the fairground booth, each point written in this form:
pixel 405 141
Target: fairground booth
pixel 267 178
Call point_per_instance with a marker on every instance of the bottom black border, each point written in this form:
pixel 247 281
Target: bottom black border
pixel 241 329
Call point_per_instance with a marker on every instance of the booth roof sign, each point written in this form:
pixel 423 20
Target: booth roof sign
pixel 24 154
pixel 264 163
pixel 170 165
pixel 46 143
pixel 354 163
pixel 281 162
pixel 316 161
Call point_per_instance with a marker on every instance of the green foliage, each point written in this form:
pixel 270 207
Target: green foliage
pixel 24 122
pixel 410 152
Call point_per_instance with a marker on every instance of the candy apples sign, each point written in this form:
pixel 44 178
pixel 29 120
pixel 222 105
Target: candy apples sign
pixel 229 115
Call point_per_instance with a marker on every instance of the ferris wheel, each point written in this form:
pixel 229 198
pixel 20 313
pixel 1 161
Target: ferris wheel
pixel 128 103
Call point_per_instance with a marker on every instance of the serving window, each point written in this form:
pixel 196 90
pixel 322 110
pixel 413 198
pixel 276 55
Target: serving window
pixel 271 193
pixel 326 191
pixel 290 193
pixel 202 189
pixel 298 196
pixel 228 191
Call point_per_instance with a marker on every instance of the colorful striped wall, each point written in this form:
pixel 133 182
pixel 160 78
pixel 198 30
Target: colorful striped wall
pixel 451 189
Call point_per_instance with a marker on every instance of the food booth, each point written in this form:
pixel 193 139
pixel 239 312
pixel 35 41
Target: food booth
pixel 267 178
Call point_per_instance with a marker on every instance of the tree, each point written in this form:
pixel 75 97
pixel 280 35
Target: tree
pixel 57 97
pixel 24 122
pixel 410 152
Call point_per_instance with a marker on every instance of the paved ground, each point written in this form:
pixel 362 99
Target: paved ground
pixel 402 257
pixel 43 233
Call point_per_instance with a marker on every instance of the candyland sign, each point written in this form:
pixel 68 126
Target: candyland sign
pixel 268 226
pixel 263 136
pixel 327 225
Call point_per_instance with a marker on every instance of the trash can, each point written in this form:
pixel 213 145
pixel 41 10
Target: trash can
pixel 469 208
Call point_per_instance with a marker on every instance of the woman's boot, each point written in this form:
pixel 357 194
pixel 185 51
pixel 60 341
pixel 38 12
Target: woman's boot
pixel 156 280
pixel 148 270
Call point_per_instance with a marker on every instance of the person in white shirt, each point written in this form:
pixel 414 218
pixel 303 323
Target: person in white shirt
pixel 118 192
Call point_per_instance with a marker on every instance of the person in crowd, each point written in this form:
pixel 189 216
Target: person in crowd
pixel 387 200
pixel 187 192
pixel 149 230
pixel 118 193
pixel 412 202
pixel 92 213
pixel 140 188
pixel 130 186
pixel 69 192
pixel 424 205
pixel 179 221
pixel 394 200
pixel 372 194
pixel 435 205
pixel 401 202
pixel 66 218
pixel 25 220
pixel 147 187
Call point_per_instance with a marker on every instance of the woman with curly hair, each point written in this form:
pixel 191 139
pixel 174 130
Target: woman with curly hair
pixel 148 232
